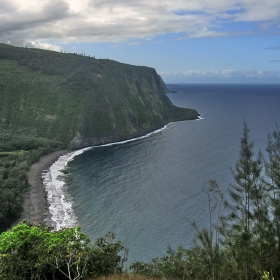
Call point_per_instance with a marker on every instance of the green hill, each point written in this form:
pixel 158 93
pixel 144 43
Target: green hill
pixel 78 100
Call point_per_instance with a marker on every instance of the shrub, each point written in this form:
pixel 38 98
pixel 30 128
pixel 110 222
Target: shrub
pixel 36 251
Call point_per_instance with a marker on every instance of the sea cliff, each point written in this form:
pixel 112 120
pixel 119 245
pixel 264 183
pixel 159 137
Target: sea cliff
pixel 79 100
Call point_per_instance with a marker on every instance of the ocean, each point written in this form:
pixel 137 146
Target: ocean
pixel 146 190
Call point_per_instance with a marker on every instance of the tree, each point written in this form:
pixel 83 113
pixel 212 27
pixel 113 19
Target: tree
pixel 36 251
pixel 244 243
pixel 245 209
pixel 272 182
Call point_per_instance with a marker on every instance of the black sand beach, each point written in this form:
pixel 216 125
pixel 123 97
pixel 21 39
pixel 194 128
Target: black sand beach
pixel 35 206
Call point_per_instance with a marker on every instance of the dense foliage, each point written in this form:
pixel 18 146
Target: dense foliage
pixel 34 251
pixel 60 96
pixel 49 98
pixel 18 151
pixel 54 96
pixel 243 243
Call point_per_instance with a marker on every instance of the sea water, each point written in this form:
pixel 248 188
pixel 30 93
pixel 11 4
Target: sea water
pixel 147 190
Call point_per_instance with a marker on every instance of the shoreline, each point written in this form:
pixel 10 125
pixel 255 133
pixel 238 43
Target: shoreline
pixel 35 205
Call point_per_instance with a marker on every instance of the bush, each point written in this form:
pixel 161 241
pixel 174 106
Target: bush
pixel 36 251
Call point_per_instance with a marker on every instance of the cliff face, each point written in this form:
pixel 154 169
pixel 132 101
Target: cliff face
pixel 81 101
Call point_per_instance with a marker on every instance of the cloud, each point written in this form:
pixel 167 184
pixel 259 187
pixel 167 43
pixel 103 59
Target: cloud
pixel 64 21
pixel 20 25
pixel 259 11
pixel 219 73
pixel 227 73
pixel 41 45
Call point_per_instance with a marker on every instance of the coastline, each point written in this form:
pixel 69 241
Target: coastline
pixel 35 206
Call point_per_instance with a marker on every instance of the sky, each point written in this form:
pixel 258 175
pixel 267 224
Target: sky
pixel 186 41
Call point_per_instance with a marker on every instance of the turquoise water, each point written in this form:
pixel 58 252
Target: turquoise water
pixel 145 190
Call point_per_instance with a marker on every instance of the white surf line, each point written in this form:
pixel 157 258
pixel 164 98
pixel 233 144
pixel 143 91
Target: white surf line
pixel 60 202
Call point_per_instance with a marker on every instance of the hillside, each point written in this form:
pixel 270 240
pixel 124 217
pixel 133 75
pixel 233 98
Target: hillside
pixel 80 100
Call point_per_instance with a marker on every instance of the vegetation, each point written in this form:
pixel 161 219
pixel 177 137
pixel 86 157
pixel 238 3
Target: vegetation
pixel 60 96
pixel 34 251
pixel 18 151
pixel 124 276
pixel 52 100
pixel 244 243
pixel 49 98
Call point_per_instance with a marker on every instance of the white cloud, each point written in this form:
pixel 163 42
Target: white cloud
pixel 41 45
pixel 231 73
pixel 220 73
pixel 259 11
pixel 121 20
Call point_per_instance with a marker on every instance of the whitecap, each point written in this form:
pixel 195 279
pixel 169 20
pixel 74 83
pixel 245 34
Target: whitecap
pixel 59 201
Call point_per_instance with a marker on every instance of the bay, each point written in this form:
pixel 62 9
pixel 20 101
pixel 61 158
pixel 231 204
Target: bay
pixel 145 190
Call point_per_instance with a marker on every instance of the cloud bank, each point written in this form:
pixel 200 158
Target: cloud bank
pixel 227 74
pixel 47 22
